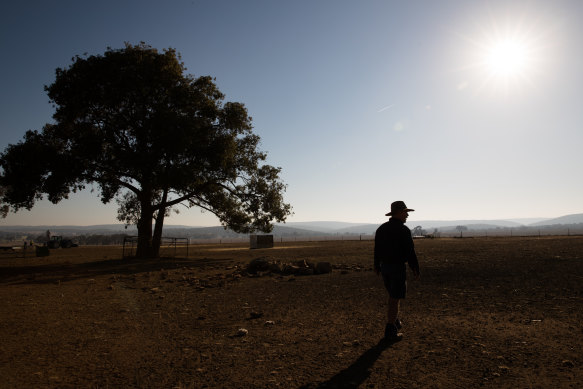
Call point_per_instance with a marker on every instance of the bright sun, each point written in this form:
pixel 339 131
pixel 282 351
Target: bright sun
pixel 507 58
pixel 504 58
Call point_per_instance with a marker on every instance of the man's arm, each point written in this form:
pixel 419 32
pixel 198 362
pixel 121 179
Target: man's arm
pixel 377 261
pixel 411 255
pixel 378 249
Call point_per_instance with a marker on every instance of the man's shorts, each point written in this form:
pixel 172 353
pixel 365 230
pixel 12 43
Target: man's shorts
pixel 395 279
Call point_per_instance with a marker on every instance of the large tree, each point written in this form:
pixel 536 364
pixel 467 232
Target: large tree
pixel 132 123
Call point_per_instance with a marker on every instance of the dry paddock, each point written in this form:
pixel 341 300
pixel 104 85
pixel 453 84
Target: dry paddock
pixel 487 312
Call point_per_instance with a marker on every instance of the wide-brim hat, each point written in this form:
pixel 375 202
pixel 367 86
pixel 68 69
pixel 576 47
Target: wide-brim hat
pixel 398 206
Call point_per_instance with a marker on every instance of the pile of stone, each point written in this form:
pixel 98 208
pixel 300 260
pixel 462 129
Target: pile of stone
pixel 268 265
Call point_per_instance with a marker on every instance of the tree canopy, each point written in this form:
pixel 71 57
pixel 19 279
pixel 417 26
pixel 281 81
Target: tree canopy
pixel 151 137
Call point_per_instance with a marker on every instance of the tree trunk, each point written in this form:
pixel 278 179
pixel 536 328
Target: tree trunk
pixel 144 249
pixel 157 237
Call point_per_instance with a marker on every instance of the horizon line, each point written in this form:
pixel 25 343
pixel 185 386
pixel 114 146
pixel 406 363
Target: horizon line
pixel 280 224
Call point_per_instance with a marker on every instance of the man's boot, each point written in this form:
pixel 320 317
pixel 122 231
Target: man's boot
pixel 398 324
pixel 392 334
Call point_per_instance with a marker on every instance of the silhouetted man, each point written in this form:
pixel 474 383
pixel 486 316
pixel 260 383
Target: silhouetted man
pixel 392 249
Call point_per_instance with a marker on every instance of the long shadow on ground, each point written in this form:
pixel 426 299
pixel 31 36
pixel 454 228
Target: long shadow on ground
pixel 354 375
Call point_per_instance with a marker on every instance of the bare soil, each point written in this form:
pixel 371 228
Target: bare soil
pixel 487 312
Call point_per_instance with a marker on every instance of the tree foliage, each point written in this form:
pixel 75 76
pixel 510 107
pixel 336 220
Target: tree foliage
pixel 134 124
pixel 461 229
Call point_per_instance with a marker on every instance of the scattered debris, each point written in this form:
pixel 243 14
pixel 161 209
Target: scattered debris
pixel 567 363
pixel 323 267
pixel 258 265
pixel 532 321
pixel 302 267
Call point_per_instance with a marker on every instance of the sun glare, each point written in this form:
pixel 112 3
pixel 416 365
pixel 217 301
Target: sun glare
pixel 504 57
pixel 507 58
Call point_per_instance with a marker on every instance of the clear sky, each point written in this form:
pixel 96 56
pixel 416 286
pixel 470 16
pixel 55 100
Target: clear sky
pixel 463 109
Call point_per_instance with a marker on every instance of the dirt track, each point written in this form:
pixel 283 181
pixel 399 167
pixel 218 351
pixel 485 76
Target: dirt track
pixel 486 312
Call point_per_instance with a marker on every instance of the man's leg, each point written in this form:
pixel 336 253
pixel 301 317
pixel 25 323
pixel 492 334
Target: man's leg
pixel 394 278
pixel 391 330
pixel 393 310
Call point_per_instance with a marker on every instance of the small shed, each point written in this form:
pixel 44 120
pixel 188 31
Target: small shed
pixel 261 241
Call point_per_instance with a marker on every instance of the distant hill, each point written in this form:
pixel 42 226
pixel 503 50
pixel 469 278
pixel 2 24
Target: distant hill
pixel 528 221
pixel 175 231
pixel 568 219
pixel 317 228
pixel 321 226
pixel 431 224
pixel 220 232
pixel 74 230
pixel 444 225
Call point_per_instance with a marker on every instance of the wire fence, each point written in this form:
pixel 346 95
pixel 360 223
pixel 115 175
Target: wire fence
pixel 502 232
pixel 512 232
pixel 286 239
pixel 169 245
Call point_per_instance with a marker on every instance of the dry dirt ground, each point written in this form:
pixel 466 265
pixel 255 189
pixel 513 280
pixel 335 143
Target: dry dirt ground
pixel 488 312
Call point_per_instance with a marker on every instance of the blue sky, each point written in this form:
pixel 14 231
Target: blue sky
pixel 359 102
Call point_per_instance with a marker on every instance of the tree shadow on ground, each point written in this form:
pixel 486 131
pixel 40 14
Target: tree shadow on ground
pixel 354 375
pixel 42 274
